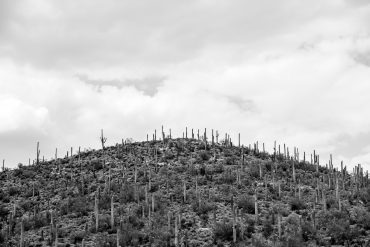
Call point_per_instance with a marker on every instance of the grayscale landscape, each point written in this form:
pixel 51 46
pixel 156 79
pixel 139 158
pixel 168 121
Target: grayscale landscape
pixel 184 123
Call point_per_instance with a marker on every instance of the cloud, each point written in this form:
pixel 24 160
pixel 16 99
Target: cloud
pixel 19 115
pixel 148 85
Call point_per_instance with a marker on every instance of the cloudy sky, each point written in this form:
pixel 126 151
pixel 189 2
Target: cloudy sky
pixel 293 71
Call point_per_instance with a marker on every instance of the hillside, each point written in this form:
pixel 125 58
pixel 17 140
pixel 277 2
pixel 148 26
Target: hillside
pixel 183 192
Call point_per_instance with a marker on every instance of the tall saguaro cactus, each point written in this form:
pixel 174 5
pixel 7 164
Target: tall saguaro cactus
pixel 22 234
pixel 37 154
pixel 102 139
pixel 111 213
pixel 176 233
pixel 96 209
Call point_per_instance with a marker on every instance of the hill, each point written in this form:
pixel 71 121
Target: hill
pixel 183 192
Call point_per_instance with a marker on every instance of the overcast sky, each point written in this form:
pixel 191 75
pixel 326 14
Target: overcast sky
pixel 293 71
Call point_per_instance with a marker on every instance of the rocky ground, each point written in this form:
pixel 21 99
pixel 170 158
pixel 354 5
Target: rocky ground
pixel 183 192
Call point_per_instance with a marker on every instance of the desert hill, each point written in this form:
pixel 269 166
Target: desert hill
pixel 184 192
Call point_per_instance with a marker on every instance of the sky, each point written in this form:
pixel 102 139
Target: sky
pixel 297 72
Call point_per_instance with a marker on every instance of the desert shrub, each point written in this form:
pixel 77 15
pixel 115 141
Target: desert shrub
pixel 308 231
pixel 105 240
pixel 262 155
pixel 250 227
pixel 13 191
pixel 203 208
pixel 4 197
pixel 104 201
pixel 127 194
pixel 23 173
pixel 161 237
pixel 296 204
pixel 204 156
pixel 183 160
pixel 77 236
pixel 254 170
pixel 202 170
pixel 267 228
pixel 292 234
pixel 269 165
pixel 3 212
pixel 364 195
pixel 246 203
pixel 230 160
pixel 96 165
pixel 259 241
pixel 361 216
pixel 27 205
pixel 224 231
pixel 36 222
pixel 336 224
pixel 227 177
pixel 131 236
pixel 168 155
pixel 331 202
pixel 228 152
pixel 79 205
pixel 218 168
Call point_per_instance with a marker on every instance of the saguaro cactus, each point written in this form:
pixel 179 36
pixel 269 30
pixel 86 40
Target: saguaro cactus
pixel 256 207
pixel 22 234
pixel 96 212
pixel 112 213
pixel 56 236
pixel 153 203
pixel 118 236
pixel 279 225
pixel 294 180
pixel 176 233
pixel 102 139
pixel 37 154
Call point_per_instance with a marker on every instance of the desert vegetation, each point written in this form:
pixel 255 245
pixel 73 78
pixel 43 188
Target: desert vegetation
pixel 190 191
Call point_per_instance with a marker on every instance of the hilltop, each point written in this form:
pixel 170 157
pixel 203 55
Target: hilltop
pixel 183 192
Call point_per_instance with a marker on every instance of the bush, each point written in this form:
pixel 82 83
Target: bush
pixel 4 196
pixel 246 203
pixel 218 168
pixel 77 236
pixel 95 165
pixel 254 170
pixel 267 228
pixel 296 204
pixel 3 212
pixel 13 191
pixel 27 205
pixel 203 208
pixel 204 156
pixel 127 194
pixel 80 206
pixel 230 160
pixel 224 231
pixel 228 177
pixel 308 231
